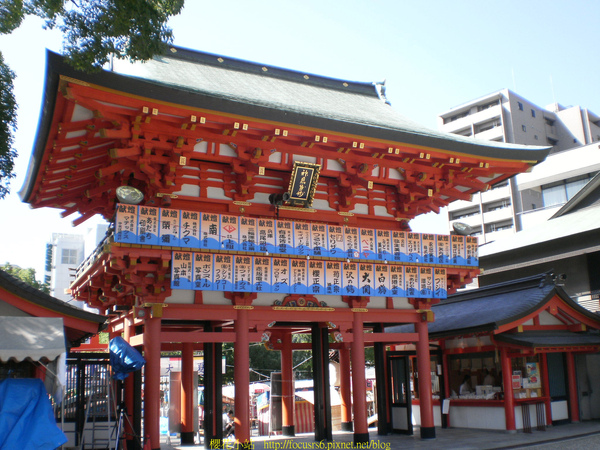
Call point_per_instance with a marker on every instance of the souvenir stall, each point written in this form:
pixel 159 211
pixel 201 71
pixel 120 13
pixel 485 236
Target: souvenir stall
pixel 506 355
pixel 249 203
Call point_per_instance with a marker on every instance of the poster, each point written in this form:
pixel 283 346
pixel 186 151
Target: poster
pixel 298 276
pixel 458 250
pixel 316 277
pixel 169 227
pixel 351 242
pixel 126 224
pixel 382 280
pixel 229 232
pixel 384 245
pixel 336 243
pixel 368 244
pixel 266 235
pixel 280 275
pixel 148 222
pixel 350 278
pixel 209 231
pixel 443 249
pixel 203 271
pixel 318 240
pixel 471 250
pixel 399 246
pixel 302 239
pixel 426 282
pixel 223 272
pixel 285 237
pixel 248 241
pixel 189 234
pixel 440 283
pixel 429 248
pixel 366 280
pixel 242 273
pixel 533 375
pixel 411 274
pixel 262 274
pixel 413 247
pixel 397 283
pixel 333 275
pixel 181 270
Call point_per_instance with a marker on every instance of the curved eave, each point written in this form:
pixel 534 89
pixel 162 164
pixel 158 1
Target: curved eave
pixel 56 68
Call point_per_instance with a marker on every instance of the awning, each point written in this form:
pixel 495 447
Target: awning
pixel 35 338
pixel 541 339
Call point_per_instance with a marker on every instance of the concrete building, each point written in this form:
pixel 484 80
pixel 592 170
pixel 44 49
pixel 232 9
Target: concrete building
pixel 64 253
pixel 504 116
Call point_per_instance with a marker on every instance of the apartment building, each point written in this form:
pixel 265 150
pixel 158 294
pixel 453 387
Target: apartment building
pixel 504 116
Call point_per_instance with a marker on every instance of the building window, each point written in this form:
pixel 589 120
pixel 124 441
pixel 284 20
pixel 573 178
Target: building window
pixel 533 113
pixel 520 106
pixel 69 256
pixel 561 193
pixel 524 128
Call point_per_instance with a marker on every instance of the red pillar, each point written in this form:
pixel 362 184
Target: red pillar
pixel 287 386
pixel 345 389
pixel 509 396
pixel 424 372
pixel 359 383
pixel 546 387
pixel 572 382
pixel 241 374
pixel 187 393
pixel 152 342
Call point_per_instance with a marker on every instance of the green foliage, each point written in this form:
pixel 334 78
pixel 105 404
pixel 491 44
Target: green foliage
pixel 94 31
pixel 26 275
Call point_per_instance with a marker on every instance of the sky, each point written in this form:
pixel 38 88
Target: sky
pixel 433 55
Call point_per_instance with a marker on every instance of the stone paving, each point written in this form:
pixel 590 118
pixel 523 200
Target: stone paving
pixel 560 436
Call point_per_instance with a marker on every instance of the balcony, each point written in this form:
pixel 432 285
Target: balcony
pixel 498 215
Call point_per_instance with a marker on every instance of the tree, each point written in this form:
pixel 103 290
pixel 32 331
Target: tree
pixel 94 31
pixel 26 275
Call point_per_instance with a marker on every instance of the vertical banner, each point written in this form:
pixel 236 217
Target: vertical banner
pixel 148 225
pixel 384 245
pixel 189 235
pixel 352 242
pixel 203 271
pixel 411 279
pixel 429 248
pixel 399 246
pixel 335 243
pixel 333 275
pixel 181 270
pixel 223 272
pixel 397 281
pixel 298 276
pixel 316 277
pixel 368 244
pixel 366 279
pixel 248 241
pixel 280 275
pixel 126 224
pixel 262 274
pixel 443 249
pixel 285 237
pixel 169 227
pixel 209 231
pixel 382 280
pixel 472 251
pixel 458 250
pixel 440 283
pixel 350 278
pixel 242 273
pixel 302 239
pixel 426 282
pixel 266 235
pixel 229 232
pixel 318 240
pixel 413 247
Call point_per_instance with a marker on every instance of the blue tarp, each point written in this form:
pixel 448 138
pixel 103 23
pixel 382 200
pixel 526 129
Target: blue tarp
pixel 26 419
pixel 124 358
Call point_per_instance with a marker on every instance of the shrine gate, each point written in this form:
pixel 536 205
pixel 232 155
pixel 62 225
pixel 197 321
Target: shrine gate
pixel 250 203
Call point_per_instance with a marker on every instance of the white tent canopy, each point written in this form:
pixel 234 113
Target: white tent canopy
pixel 32 338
